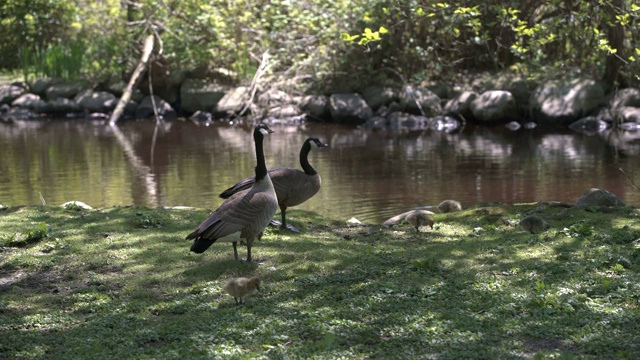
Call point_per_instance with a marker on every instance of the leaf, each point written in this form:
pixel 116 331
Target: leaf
pixel 383 30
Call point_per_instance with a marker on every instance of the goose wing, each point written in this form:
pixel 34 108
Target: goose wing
pixel 248 212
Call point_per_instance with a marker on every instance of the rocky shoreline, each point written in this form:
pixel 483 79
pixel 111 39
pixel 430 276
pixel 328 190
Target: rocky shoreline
pixel 579 104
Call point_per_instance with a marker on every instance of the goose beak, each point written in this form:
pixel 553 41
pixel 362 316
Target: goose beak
pixel 324 145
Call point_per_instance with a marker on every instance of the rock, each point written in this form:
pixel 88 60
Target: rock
pixel 447 123
pixel 598 197
pixel 590 125
pixel 201 116
pixel 354 221
pixel 534 224
pixel 461 104
pixel 283 111
pixel 349 108
pixel 95 101
pixel 233 101
pixel 62 106
pixel 40 86
pixel 273 97
pixel 31 102
pixel 145 109
pixel 316 106
pixel 563 102
pixel 626 97
pixel 494 106
pixel 513 125
pixel 442 90
pixel 377 96
pixel 200 95
pixel 516 85
pixel 68 91
pixel 8 93
pixel 628 114
pixel 74 203
pixel 419 101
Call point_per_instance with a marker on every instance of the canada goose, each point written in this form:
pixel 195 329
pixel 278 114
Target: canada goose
pixel 533 224
pixel 242 287
pixel 293 187
pixel 416 218
pixel 243 215
pixel 448 206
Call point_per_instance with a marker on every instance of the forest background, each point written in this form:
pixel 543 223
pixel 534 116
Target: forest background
pixel 331 46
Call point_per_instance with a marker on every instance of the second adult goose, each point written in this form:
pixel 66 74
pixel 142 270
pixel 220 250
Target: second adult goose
pixel 244 214
pixel 293 187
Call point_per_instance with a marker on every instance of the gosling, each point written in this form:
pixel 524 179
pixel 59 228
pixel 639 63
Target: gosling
pixel 242 287
pixel 448 206
pixel 416 218
pixel 534 224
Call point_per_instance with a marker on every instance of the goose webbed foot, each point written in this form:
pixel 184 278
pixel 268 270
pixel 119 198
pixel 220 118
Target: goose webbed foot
pixel 275 223
pixel 290 228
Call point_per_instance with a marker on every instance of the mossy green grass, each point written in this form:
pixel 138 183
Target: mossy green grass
pixel 121 283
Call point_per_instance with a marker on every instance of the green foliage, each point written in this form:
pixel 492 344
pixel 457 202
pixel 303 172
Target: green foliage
pixel 335 43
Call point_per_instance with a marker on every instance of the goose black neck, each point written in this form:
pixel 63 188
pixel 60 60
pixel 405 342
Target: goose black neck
pixel 261 166
pixel 304 159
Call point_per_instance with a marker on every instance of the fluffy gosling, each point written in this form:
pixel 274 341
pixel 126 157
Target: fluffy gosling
pixel 242 287
pixel 448 206
pixel 534 224
pixel 416 218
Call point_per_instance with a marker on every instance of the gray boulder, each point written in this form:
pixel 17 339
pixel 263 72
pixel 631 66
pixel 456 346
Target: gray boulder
pixel 40 85
pixel 420 101
pixel 68 91
pixel 199 95
pixel 316 106
pixel 62 105
pixel 8 93
pixel 95 101
pixel 626 97
pixel 377 96
pixel 598 197
pixel 145 109
pixel 349 108
pixel 233 101
pixel 494 106
pixel 516 85
pixel 589 125
pixel 31 102
pixel 461 104
pixel 563 102
pixel 283 111
pixel 628 114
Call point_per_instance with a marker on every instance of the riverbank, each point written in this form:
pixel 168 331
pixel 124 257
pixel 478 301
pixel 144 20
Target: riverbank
pixel 120 282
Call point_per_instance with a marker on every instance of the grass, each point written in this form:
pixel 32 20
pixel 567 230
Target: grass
pixel 121 283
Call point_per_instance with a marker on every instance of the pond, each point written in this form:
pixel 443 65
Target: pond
pixel 370 175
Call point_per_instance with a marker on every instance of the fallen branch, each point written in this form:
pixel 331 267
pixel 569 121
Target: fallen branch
pixel 630 179
pixel 126 95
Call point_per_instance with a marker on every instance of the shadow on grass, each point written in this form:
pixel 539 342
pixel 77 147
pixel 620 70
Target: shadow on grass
pixel 473 287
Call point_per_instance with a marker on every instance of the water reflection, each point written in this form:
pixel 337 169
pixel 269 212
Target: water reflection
pixel 371 175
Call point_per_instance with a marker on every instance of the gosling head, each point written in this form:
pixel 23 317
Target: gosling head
pixel 254 283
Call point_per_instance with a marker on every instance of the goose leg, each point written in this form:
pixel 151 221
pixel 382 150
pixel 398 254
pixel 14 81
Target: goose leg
pixel 284 225
pixel 235 249
pixel 248 251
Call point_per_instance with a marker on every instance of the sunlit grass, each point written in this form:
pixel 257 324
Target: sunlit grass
pixel 121 283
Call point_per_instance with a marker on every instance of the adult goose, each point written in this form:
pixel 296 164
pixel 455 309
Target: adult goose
pixel 244 214
pixel 293 187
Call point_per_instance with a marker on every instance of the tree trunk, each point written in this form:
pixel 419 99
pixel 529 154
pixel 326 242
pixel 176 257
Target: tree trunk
pixel 615 36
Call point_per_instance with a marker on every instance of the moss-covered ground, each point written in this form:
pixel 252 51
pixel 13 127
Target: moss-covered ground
pixel 121 283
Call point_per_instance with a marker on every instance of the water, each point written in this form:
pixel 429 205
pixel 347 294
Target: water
pixel 370 175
